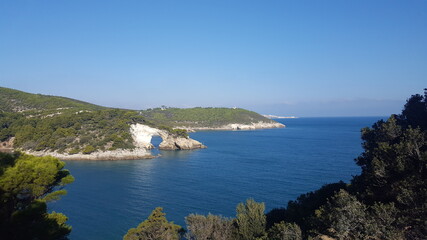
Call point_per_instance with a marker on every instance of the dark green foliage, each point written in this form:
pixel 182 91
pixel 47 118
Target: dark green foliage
pixel 285 231
pixel 88 149
pixel 301 211
pixel 210 227
pixel 344 217
pixel 251 220
pixel 202 117
pixel 394 166
pixel 415 111
pixel 26 184
pixel 388 200
pixel 156 227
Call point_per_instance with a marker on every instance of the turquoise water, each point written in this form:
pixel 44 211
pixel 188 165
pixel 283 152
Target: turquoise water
pixel 272 166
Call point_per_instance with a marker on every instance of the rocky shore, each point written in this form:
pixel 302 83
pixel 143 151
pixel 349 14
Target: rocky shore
pixel 142 136
pixel 120 154
pixel 174 143
pixel 236 126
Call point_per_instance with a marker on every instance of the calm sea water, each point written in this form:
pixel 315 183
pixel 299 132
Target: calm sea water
pixel 271 166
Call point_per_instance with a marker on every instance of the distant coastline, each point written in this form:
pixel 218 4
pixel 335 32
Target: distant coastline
pixel 278 117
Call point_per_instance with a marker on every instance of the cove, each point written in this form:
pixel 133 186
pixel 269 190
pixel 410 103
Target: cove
pixel 270 165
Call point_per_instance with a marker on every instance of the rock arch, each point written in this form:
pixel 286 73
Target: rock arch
pixel 142 135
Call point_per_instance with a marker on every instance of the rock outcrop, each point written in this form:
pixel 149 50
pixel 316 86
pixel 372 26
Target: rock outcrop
pixel 180 143
pixel 142 135
pixel 119 154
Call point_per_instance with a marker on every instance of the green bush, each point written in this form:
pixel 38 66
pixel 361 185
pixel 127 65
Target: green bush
pixel 89 149
pixel 74 151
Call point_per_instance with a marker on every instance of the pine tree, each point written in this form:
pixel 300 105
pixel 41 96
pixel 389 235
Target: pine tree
pixel 251 220
pixel 156 227
pixel 27 183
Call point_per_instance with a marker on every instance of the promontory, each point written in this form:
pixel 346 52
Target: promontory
pixel 75 130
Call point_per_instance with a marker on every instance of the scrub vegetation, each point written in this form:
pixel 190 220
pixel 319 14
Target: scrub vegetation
pixel 48 123
pixel 72 132
pixel 17 101
pixel 202 117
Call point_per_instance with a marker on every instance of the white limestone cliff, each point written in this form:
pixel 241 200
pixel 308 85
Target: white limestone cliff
pixel 238 126
pixel 142 135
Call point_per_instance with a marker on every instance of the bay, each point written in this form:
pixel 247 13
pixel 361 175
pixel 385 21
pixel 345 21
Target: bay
pixel 271 166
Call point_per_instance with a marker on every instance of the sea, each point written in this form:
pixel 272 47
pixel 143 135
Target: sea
pixel 272 166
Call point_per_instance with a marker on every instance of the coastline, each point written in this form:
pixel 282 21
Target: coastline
pixel 235 127
pixel 142 137
pixel 115 155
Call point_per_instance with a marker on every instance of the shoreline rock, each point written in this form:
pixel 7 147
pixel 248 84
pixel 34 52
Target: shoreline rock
pixel 142 135
pixel 180 143
pixel 236 126
pixel 120 154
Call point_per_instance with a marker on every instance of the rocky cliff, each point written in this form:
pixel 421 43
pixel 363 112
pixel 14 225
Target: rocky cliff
pixel 142 135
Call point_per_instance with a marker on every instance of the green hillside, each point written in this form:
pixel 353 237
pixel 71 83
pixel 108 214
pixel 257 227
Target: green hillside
pixel 202 117
pixel 40 122
pixel 12 100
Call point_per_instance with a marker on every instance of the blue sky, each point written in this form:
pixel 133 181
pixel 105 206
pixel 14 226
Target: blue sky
pixel 304 58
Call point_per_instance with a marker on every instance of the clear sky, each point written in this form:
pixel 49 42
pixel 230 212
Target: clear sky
pixel 304 58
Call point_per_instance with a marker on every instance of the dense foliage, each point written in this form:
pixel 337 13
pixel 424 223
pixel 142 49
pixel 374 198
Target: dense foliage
pixel 388 200
pixel 202 117
pixel 156 227
pixel 202 227
pixel 27 183
pixel 250 220
pixel 72 132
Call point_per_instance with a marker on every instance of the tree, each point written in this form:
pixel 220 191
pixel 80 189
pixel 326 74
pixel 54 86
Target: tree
pixel 285 231
pixel 27 183
pixel 301 211
pixel 394 169
pixel 156 227
pixel 251 220
pixel 210 227
pixel 343 217
pixel 415 111
pixel 383 222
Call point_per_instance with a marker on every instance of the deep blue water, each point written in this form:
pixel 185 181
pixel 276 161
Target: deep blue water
pixel 272 166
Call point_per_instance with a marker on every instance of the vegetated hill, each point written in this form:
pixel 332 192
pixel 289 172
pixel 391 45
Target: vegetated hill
pixel 43 123
pixel 40 122
pixel 203 117
pixel 70 132
pixel 12 100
